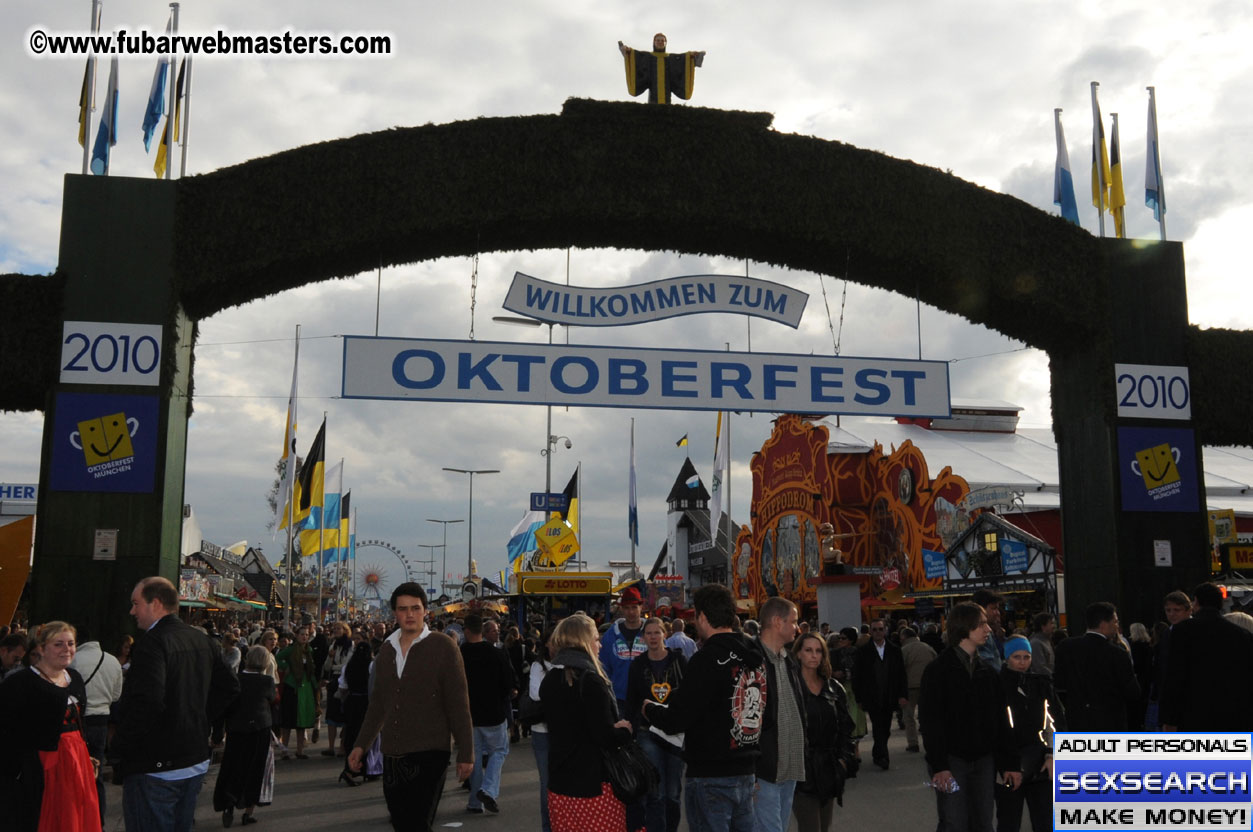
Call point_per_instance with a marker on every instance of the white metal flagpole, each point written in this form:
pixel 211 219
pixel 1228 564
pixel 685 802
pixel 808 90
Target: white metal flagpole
pixel 169 118
pixel 320 562
pixel 90 102
pixel 290 475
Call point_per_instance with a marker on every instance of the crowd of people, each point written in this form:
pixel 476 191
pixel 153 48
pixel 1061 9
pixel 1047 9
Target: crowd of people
pixel 744 727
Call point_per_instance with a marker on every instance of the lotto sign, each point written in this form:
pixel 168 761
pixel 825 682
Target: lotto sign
pixel 1152 781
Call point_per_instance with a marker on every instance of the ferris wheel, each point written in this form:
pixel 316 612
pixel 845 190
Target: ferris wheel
pixel 379 575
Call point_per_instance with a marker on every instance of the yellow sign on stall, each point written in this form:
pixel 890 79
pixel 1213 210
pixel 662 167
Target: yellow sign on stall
pixel 556 541
pixel 566 584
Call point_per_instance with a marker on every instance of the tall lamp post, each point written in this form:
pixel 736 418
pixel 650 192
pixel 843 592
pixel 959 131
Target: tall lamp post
pixel 551 438
pixel 430 562
pixel 470 524
pixel 445 523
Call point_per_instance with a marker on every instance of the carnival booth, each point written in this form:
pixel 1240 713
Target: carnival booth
pixel 885 509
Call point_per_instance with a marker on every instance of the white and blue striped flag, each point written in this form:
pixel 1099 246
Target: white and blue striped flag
pixel 1063 180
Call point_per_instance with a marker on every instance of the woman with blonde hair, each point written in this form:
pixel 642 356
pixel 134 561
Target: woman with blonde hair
pixel 582 719
pixel 49 779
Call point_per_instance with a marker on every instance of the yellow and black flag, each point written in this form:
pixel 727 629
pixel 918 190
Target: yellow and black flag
pixel 83 105
pixel 1117 200
pixel 163 150
pixel 571 493
pixel 310 483
pixel 1100 158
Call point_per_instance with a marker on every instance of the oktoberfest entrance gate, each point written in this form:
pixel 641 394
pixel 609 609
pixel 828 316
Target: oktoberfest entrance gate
pixel 141 253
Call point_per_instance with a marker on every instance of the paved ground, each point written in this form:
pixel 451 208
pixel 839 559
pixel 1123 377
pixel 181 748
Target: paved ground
pixel 307 797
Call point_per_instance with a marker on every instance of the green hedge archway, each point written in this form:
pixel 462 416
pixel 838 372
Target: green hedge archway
pixel 627 175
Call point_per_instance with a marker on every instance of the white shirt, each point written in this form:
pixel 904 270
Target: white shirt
pixel 401 655
pixel 538 671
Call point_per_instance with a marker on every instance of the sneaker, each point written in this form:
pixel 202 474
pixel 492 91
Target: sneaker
pixel 474 810
pixel 489 802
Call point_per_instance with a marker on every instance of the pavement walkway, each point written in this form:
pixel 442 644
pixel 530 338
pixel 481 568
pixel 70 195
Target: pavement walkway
pixel 307 798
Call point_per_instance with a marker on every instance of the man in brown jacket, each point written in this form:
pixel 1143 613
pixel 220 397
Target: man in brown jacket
pixel 420 702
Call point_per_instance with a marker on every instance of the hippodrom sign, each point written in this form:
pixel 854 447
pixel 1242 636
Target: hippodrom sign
pixel 591 376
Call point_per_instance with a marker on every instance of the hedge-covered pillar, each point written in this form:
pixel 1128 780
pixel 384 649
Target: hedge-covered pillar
pixel 113 453
pixel 1112 545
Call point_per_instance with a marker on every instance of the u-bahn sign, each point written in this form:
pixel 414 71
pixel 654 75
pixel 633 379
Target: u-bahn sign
pixel 574 375
pixel 660 299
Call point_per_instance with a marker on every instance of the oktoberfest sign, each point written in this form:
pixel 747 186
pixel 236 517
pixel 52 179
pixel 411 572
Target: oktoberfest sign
pixel 574 375
pixel 557 303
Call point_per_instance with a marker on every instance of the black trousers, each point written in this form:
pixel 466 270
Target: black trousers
pixel 881 729
pixel 1037 794
pixel 412 786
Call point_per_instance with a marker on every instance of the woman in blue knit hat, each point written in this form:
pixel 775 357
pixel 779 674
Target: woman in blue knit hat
pixel 1035 714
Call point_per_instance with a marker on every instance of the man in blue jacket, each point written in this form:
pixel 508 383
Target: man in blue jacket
pixel 621 643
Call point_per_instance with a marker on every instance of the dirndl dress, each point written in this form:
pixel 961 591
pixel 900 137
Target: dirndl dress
pixel 69 802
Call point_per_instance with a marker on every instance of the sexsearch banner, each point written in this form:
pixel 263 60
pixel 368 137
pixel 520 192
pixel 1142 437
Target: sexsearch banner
pixel 576 375
pixel 1136 781
pixel 623 305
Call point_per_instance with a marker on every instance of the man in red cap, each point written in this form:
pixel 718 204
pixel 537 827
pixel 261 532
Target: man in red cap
pixel 621 643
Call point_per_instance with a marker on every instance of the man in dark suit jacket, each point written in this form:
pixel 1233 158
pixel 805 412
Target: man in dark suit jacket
pixel 1208 683
pixel 879 685
pixel 1094 676
pixel 176 686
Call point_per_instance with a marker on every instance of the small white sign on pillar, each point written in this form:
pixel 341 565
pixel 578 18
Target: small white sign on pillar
pixel 105 547
pixel 1162 553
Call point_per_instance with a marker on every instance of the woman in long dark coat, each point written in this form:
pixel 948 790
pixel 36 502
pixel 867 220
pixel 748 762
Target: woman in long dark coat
pixel 247 754
pixel 356 681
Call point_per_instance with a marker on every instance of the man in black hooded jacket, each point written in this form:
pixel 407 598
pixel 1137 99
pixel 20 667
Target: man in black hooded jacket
pixel 721 744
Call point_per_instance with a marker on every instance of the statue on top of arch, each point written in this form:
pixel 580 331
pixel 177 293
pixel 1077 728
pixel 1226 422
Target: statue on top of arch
pixel 662 73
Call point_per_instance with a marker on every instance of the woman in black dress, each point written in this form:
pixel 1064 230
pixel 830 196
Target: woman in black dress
pixel 247 754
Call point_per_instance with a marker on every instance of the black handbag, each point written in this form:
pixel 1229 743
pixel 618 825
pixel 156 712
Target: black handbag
pixel 530 711
pixel 630 772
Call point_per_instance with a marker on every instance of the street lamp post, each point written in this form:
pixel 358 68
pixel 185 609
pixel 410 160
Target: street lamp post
pixel 430 562
pixel 470 523
pixel 442 588
pixel 551 439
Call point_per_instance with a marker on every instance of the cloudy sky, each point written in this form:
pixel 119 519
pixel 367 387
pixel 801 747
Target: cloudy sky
pixel 967 86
